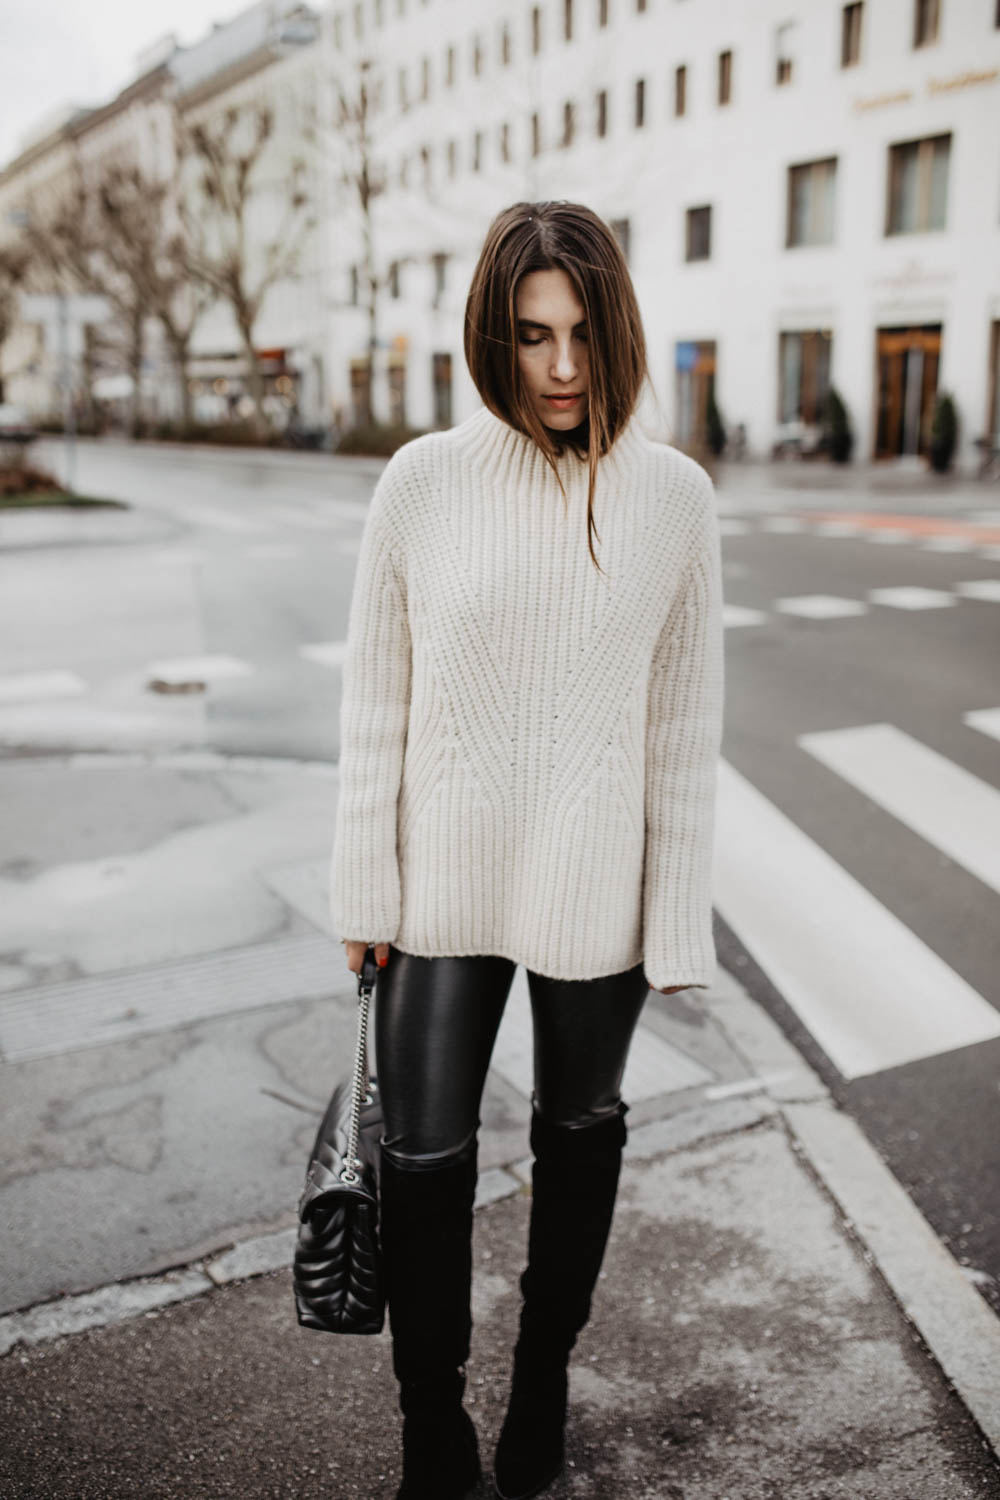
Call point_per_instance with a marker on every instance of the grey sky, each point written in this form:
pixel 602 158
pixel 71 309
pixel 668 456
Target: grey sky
pixel 55 52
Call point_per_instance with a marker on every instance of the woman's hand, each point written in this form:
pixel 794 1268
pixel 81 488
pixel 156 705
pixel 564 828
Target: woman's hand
pixel 672 990
pixel 356 954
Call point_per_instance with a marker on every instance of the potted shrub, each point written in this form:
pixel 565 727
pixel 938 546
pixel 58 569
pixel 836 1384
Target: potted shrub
pixel 838 439
pixel 944 433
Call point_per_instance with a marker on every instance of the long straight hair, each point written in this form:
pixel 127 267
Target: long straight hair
pixel 569 237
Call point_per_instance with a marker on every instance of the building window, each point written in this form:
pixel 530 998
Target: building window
pixel 452 158
pixel 568 20
pixel 698 233
pixel 536 134
pixel 918 185
pixel 810 203
pixel 536 29
pixel 680 90
pixel 394 278
pixel 477 151
pixel 338 31
pixel 640 103
pixel 505 45
pixel 601 124
pixel 379 12
pixel 439 265
pixel 505 143
pixel 783 53
pixel 404 171
pixel 477 56
pixel 622 231
pixel 640 5
pixel 569 123
pixel 926 18
pixel 850 35
pixel 425 78
pixel 425 165
pixel 602 12
pixel 354 289
pixel 404 102
pixel 449 67
pixel 359 22
pixel 725 77
pixel 804 375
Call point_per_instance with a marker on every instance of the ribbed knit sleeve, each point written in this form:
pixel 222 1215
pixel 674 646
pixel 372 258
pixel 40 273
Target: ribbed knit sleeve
pixel 365 877
pixel 683 740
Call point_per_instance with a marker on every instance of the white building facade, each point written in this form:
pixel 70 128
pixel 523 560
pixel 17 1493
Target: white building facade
pixel 808 191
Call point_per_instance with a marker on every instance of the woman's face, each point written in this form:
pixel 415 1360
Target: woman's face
pixel 552 348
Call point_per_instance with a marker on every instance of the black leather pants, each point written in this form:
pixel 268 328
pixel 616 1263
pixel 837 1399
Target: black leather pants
pixel 436 1020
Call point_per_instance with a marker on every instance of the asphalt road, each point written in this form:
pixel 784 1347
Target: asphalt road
pixel 859 823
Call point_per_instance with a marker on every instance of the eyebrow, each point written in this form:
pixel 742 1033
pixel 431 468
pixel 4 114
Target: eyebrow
pixel 532 323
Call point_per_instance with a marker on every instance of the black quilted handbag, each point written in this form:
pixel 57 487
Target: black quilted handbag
pixel 337 1271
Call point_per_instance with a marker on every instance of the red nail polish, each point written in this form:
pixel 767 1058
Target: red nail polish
pixel 383 961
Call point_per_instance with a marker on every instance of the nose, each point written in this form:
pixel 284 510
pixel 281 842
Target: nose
pixel 564 360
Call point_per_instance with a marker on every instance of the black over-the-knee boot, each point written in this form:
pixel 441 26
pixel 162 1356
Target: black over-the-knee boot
pixel 574 1185
pixel 426 1240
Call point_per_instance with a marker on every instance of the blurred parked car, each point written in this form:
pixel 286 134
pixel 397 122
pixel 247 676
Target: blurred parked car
pixel 15 427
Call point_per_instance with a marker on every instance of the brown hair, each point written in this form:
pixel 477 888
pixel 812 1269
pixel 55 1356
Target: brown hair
pixel 569 237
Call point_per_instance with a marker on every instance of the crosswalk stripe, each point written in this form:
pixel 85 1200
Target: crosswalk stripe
pixel 872 994
pixel 742 614
pixel 941 801
pixel 987 720
pixel 820 606
pixel 327 653
pixel 911 598
pixel 980 588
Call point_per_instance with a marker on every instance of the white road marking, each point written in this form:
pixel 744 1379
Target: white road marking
pixel 29 687
pixel 782 524
pixel 653 1067
pixel 911 598
pixel 741 614
pixel 838 528
pixel 820 606
pixel 872 994
pixel 945 804
pixel 986 720
pixel 327 653
pixel 199 669
pixel 980 588
pixel 949 544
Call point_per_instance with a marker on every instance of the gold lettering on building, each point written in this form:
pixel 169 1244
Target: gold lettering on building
pixel 962 81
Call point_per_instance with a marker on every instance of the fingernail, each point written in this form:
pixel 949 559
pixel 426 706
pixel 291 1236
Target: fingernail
pixel 383 961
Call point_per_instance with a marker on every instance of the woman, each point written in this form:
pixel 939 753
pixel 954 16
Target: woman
pixel 529 739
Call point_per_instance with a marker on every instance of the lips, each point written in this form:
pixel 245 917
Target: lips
pixel 566 400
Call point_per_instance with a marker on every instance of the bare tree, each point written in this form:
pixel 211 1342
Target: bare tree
pixel 143 238
pixel 221 179
pixel 14 262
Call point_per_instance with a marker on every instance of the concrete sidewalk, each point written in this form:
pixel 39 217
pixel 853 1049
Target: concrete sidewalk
pixel 775 1318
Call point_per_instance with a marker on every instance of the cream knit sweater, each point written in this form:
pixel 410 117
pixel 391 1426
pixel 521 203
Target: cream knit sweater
pixel 528 749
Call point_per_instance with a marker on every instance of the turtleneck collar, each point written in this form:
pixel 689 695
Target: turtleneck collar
pixel 491 442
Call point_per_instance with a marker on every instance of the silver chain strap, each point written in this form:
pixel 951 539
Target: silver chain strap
pixel 359 1092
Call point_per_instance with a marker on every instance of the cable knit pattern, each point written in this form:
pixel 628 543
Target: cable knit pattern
pixel 528 749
